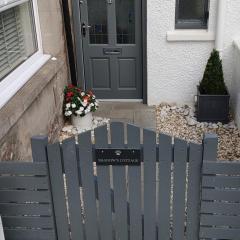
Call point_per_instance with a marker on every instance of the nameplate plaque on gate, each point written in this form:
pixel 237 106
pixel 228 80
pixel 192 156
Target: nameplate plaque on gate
pixel 118 156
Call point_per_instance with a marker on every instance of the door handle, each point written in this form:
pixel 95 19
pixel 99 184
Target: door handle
pixel 84 29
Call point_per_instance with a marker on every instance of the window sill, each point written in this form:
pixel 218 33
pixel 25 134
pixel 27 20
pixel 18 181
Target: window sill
pixel 12 111
pixel 10 85
pixel 190 35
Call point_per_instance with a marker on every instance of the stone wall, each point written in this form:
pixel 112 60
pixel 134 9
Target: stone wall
pixel 36 109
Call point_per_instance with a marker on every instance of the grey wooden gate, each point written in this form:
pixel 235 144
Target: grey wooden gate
pixel 131 202
pixel 220 207
pixel 180 191
pixel 29 206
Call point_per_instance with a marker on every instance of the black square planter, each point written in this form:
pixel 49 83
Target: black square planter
pixel 212 108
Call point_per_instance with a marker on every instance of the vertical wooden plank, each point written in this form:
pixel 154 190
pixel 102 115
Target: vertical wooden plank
pixel 119 184
pixel 210 147
pixel 39 154
pixel 39 145
pixel 104 192
pixel 73 190
pixel 58 195
pixel 194 190
pixel 89 197
pixel 134 179
pixel 179 188
pixel 165 161
pixel 149 158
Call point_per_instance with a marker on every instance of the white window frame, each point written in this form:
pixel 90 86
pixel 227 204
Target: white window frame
pixel 1 230
pixel 15 80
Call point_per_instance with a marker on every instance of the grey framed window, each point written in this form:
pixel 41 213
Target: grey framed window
pixel 191 14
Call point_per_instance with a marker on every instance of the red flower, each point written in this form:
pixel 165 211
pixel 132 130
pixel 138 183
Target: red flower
pixel 70 94
pixel 70 86
pixel 86 98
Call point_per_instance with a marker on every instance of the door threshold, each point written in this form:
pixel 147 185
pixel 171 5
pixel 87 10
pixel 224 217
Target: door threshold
pixel 121 100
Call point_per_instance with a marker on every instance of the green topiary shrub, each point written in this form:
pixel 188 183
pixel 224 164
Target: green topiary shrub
pixel 213 79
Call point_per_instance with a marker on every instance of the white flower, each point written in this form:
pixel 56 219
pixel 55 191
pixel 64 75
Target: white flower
pixel 68 105
pixel 92 104
pixel 82 93
pixel 81 109
pixel 68 113
pixel 73 105
pixel 78 112
pixel 93 96
pixel 84 104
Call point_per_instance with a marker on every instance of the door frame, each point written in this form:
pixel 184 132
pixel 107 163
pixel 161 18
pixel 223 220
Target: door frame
pixel 79 55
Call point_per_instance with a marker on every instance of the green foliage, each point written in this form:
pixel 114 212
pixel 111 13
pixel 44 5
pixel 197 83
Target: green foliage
pixel 213 79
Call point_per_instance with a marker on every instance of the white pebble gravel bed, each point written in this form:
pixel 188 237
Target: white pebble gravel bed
pixel 181 122
pixel 70 131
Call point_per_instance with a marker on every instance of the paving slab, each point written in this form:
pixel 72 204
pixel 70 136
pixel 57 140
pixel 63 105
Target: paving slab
pixel 128 112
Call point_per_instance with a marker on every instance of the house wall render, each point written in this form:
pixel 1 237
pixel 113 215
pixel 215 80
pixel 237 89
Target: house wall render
pixel 235 88
pixel 175 66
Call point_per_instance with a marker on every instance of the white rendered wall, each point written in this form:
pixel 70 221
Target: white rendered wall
pixel 235 87
pixel 176 67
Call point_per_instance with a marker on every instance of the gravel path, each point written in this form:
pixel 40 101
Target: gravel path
pixel 181 122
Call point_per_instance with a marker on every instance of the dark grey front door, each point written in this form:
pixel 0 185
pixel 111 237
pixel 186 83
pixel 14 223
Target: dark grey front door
pixel 111 36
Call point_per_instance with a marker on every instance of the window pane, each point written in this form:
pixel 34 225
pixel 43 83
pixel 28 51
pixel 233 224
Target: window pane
pixel 125 14
pixel 97 20
pixel 17 37
pixel 191 9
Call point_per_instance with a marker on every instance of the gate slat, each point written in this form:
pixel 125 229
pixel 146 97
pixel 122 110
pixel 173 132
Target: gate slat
pixel 221 181
pixel 219 233
pixel 29 182
pixel 149 158
pixel 119 184
pixel 104 193
pixel 18 168
pixel 134 179
pixel 194 190
pixel 29 234
pixel 179 188
pixel 89 197
pixel 220 220
pixel 73 190
pixel 221 194
pixel 57 187
pixel 165 160
pixel 27 222
pixel 220 208
pixel 15 209
pixel 22 196
pixel 220 167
